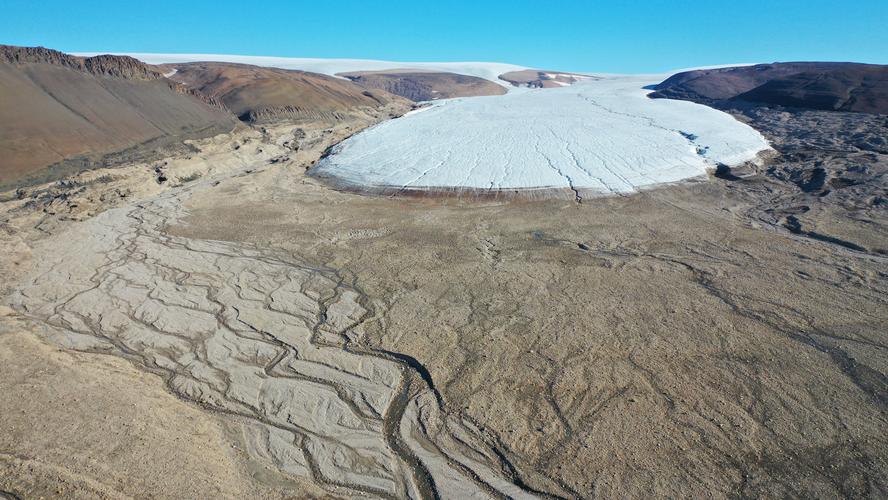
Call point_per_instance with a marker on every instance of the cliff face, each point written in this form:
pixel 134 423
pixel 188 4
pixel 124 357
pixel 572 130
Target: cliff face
pixel 111 66
pixel 812 85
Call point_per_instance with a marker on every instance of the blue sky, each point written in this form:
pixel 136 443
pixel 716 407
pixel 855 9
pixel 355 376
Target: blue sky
pixel 606 36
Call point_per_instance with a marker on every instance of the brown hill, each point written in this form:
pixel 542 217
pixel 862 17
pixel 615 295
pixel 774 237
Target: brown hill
pixel 256 93
pixel 57 107
pixel 863 90
pixel 425 85
pixel 815 85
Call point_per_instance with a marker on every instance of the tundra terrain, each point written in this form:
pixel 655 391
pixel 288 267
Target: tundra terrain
pixel 218 321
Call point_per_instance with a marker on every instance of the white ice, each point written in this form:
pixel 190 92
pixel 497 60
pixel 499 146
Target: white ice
pixel 605 136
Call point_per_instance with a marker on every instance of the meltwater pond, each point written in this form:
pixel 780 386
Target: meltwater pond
pixel 601 135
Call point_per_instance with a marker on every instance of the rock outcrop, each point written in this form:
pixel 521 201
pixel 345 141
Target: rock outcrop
pixel 112 66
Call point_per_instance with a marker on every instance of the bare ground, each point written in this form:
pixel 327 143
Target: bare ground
pixel 684 341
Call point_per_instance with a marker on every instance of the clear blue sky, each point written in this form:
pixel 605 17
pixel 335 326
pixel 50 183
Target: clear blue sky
pixel 607 36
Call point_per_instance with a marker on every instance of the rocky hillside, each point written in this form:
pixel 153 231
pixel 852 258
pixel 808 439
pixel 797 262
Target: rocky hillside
pixel 104 65
pixel 425 85
pixel 61 113
pixel 68 112
pixel 828 86
pixel 259 94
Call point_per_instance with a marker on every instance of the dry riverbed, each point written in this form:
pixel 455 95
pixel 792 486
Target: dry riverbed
pixel 255 330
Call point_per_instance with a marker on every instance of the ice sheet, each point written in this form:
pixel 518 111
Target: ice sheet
pixel 486 70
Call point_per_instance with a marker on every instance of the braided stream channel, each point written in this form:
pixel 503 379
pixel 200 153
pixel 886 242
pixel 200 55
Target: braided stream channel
pixel 261 337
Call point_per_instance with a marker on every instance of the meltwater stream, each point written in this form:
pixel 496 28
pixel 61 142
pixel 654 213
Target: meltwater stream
pixel 258 335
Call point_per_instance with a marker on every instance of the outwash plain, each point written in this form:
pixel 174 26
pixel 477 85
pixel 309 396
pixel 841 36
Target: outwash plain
pixel 206 317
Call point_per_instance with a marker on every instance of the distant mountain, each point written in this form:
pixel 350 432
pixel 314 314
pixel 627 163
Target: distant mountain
pixel 425 85
pixel 256 94
pixel 851 87
pixel 56 107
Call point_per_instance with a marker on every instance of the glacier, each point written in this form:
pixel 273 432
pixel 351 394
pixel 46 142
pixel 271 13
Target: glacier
pixel 596 136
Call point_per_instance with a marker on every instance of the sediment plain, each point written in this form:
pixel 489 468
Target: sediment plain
pixel 247 326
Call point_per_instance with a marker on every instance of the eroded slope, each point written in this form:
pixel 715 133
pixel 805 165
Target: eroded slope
pixel 56 107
